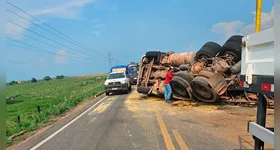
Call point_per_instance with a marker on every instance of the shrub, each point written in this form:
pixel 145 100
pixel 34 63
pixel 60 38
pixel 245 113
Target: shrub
pixel 33 80
pixel 12 82
pixel 47 78
pixel 60 77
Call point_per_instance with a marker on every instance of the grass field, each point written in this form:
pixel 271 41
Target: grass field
pixel 54 97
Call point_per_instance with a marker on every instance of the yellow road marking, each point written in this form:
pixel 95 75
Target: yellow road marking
pixel 168 142
pixel 100 108
pixel 111 98
pixel 180 140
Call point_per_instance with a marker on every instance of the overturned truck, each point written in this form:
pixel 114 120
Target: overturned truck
pixel 209 75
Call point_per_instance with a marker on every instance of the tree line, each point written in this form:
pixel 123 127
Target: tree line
pixel 46 78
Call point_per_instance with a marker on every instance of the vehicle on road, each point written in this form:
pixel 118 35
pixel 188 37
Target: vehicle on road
pixel 118 80
pixel 133 66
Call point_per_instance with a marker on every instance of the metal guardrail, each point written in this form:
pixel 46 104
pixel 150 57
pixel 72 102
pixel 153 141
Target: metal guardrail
pixel 261 133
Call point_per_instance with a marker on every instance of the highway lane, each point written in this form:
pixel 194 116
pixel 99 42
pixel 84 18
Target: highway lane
pixel 123 123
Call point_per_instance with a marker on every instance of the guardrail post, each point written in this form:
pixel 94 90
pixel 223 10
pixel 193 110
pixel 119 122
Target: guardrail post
pixel 261 119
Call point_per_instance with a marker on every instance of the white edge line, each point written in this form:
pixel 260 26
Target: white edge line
pixel 65 126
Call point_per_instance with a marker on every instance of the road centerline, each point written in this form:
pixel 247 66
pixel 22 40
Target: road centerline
pixel 65 126
pixel 180 140
pixel 167 139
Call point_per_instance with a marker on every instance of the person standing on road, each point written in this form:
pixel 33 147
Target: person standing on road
pixel 167 87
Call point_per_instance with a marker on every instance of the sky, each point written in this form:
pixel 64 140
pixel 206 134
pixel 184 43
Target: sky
pixel 125 28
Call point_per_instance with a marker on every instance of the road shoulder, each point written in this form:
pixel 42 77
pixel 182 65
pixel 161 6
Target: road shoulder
pixel 32 138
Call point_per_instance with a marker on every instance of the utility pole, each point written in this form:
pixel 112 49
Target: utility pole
pixel 110 61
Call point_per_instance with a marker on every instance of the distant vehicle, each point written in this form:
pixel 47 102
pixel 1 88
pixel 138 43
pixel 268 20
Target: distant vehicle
pixel 118 80
pixel 134 68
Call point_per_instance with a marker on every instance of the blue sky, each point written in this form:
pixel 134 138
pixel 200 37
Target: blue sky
pixel 125 28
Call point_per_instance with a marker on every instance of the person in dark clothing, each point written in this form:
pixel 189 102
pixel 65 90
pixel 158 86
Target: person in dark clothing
pixel 167 87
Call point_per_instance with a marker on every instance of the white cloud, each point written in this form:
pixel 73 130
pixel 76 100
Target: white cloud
pixel 69 10
pixel 267 21
pixel 11 25
pixel 61 57
pixel 97 33
pixel 227 29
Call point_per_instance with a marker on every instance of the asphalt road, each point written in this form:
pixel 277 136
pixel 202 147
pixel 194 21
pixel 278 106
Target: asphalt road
pixel 115 122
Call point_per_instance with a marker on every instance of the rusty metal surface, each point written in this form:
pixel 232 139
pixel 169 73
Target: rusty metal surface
pixel 216 71
pixel 181 58
pixel 197 67
pixel 148 73
pixel 218 83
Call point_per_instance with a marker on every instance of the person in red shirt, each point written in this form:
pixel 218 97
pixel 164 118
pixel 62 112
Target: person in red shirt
pixel 167 87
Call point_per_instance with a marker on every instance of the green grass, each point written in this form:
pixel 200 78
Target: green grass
pixel 54 97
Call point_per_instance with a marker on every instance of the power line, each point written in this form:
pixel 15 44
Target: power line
pixel 20 62
pixel 74 42
pixel 45 37
pixel 40 50
pixel 37 41
pixel 40 27
pixel 48 39
pixel 32 38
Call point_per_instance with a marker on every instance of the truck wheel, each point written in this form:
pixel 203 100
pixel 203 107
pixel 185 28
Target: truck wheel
pixel 186 76
pixel 179 86
pixel 232 48
pixel 185 67
pixel 143 90
pixel 203 91
pixel 208 50
pixel 154 55
pixel 235 38
pixel 107 93
pixel 126 91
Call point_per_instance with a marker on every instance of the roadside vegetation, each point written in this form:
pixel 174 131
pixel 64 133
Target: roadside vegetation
pixel 32 104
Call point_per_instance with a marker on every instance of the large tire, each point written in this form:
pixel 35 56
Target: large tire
pixel 208 50
pixel 233 46
pixel 179 86
pixel 156 55
pixel 185 75
pixel 126 91
pixel 235 38
pixel 143 90
pixel 152 53
pixel 202 91
pixel 185 67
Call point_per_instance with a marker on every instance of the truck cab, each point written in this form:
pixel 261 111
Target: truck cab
pixel 118 80
pixel 133 66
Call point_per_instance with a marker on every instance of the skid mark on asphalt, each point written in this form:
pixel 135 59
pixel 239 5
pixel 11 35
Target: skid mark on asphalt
pixel 92 120
pixel 180 140
pixel 101 108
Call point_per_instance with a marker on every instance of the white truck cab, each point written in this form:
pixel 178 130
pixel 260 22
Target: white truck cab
pixel 117 82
